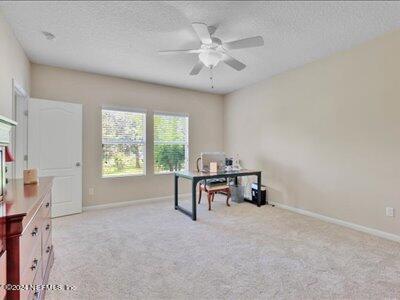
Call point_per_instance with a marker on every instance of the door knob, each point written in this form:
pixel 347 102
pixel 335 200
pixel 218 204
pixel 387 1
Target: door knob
pixel 78 164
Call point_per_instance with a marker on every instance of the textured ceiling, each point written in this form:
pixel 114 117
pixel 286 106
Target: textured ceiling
pixel 122 38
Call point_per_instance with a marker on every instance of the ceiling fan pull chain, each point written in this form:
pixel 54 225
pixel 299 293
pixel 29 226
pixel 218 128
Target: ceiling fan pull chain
pixel 211 77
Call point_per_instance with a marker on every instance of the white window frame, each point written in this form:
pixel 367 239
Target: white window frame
pixel 187 159
pixel 126 109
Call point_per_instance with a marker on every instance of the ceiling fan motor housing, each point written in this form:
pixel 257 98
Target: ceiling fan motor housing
pixel 211 54
pixel 210 58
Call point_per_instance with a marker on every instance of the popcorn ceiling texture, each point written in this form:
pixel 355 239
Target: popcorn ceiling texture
pixel 122 38
pixel 149 251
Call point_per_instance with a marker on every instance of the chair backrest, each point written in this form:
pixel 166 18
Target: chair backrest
pixel 207 157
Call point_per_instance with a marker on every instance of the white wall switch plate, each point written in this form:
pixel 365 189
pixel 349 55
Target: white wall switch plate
pixel 389 211
pixel 91 191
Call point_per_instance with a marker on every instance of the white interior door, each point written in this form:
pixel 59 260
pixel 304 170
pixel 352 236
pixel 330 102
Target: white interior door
pixel 55 149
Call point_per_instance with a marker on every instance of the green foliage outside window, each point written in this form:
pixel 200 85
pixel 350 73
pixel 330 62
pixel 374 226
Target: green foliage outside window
pixel 123 143
pixel 170 143
pixel 168 158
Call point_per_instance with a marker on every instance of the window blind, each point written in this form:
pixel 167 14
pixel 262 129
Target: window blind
pixel 171 142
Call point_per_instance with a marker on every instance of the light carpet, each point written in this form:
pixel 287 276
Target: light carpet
pixel 149 251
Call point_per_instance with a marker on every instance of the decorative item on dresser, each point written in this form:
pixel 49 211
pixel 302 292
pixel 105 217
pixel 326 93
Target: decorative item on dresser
pixel 30 252
pixel 5 130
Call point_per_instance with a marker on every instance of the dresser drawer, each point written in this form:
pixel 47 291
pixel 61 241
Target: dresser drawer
pixel 46 206
pixel 30 239
pixel 36 295
pixel 31 270
pixel 46 230
pixel 31 274
pixel 46 252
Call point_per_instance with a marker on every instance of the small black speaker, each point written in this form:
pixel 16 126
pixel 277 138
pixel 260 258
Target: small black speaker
pixel 254 194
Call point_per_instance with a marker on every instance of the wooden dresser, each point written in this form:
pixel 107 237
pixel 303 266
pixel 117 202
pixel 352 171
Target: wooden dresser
pixel 3 252
pixel 5 139
pixel 29 247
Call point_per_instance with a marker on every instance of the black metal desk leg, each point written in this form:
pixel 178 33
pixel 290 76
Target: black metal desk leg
pixel 194 202
pixel 176 190
pixel 259 190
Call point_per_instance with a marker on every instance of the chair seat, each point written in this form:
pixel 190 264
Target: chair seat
pixel 214 189
pixel 217 187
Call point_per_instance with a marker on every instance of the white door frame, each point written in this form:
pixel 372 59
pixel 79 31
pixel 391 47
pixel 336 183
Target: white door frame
pixel 18 134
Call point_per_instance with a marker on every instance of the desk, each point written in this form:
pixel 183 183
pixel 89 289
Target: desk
pixel 196 177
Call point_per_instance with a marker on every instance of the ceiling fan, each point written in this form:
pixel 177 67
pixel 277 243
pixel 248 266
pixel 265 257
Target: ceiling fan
pixel 213 50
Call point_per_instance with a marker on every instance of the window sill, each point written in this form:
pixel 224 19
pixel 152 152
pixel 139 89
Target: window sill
pixel 164 173
pixel 122 176
pixel 168 173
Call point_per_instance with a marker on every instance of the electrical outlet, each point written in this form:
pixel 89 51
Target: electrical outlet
pixel 91 191
pixel 389 212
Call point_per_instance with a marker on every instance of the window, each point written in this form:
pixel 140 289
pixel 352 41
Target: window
pixel 171 141
pixel 124 143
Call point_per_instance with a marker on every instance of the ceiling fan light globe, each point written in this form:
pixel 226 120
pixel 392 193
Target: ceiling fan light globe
pixel 210 58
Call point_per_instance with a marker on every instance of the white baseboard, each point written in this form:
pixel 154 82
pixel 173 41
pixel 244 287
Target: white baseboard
pixel 130 202
pixel 379 233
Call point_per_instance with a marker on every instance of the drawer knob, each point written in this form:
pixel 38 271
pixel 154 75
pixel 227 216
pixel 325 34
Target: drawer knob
pixel 47 204
pixel 48 249
pixel 47 226
pixel 34 231
pixel 34 264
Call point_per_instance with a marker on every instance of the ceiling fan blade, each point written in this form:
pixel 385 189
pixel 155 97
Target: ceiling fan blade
pixel 203 33
pixel 255 41
pixel 188 51
pixel 232 62
pixel 197 68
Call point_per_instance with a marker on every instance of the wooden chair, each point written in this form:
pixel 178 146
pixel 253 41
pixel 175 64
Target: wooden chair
pixel 212 190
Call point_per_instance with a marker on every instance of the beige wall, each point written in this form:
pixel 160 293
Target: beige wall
pixel 327 135
pixel 13 65
pixel 205 125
